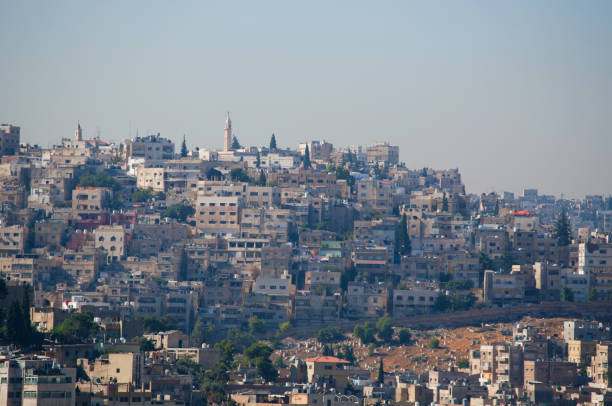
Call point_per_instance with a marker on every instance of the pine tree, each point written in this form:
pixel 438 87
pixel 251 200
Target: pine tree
pixel 306 161
pixel 562 229
pixel 198 334
pixel 235 143
pixel 496 209
pixel 262 178
pixel 507 258
pixel 14 324
pixel 402 239
pixel 381 373
pixel 273 143
pixel 184 150
pixel 257 160
pixel 444 202
pixel 25 314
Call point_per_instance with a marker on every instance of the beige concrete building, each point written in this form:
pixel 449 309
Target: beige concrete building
pixel 9 139
pixel 329 369
pixel 36 382
pixel 218 215
pixel 119 367
pixel 90 199
pixel 383 152
pixel 151 148
pixel 12 239
pixel 169 339
pixel 112 240
pixel 154 178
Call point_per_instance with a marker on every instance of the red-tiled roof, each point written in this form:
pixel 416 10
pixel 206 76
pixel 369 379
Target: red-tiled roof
pixel 326 358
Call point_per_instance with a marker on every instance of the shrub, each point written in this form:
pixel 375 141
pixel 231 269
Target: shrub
pixel 404 336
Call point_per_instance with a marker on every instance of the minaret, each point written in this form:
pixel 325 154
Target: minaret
pixel 227 139
pixel 78 133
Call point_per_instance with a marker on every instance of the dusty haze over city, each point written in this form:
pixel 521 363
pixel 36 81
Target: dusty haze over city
pixel 515 94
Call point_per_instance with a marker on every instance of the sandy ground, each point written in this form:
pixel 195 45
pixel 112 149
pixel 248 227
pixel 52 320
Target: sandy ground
pixel 455 345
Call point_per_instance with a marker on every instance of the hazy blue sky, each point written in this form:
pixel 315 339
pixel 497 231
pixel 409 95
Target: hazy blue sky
pixel 514 94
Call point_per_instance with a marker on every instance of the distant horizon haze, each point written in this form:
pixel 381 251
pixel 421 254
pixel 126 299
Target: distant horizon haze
pixel 513 94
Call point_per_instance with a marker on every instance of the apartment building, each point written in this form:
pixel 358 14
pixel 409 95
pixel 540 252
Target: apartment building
pixel 599 363
pixel 383 152
pixel 112 239
pixel 153 178
pixel 83 265
pixel 502 288
pixel 26 268
pixel 594 258
pixel 413 300
pixel 501 362
pixel 9 139
pixel 36 381
pixel 90 199
pixel 217 215
pixel 115 367
pixel 365 300
pixel 151 148
pixel 12 239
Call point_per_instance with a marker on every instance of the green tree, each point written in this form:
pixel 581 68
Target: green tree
pixel 14 331
pixel 214 384
pixel 328 351
pixel 484 261
pixel 562 229
pixel 567 295
pixel 402 239
pixel 444 202
pixel 592 295
pixel 384 329
pixel 235 143
pixel 77 329
pixel 261 181
pixel 306 159
pixel 365 332
pixel 257 327
pixel 404 336
pixel 434 343
pixel 198 334
pixel 228 349
pixel 381 372
pixel 153 324
pixel 259 355
pixel 496 209
pixel 329 334
pixel 257 160
pixel 100 179
pixel 463 363
pixel 347 353
pixel 179 212
pixel 146 345
pixel 258 351
pixel 238 174
pixel 267 371
pixel 273 143
pixel 184 150
pixel 507 258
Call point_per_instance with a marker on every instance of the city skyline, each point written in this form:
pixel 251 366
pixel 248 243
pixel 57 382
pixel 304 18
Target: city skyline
pixel 514 95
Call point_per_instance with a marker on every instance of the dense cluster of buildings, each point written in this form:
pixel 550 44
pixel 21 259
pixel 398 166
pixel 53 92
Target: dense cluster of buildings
pixel 309 236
